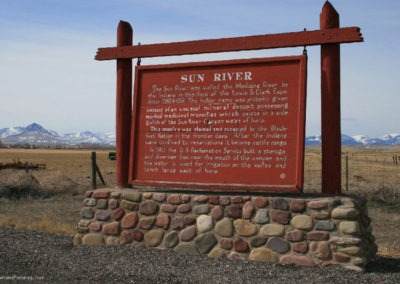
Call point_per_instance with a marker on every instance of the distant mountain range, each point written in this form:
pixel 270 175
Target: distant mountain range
pixel 359 140
pixel 35 134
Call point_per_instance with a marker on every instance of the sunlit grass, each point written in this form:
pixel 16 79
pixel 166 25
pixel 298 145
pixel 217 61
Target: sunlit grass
pixel 44 225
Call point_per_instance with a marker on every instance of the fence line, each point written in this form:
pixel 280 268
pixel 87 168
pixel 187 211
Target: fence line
pixel 361 170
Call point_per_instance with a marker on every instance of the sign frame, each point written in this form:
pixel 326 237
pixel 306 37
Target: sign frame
pixel 170 184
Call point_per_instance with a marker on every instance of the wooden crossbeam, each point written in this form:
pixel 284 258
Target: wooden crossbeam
pixel 303 38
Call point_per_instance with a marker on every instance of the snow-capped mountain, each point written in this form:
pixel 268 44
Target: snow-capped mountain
pixel 365 140
pixel 388 139
pixel 359 140
pixel 31 134
pixel 5 132
pixel 35 134
pixel 392 139
pixel 313 140
pixel 88 137
pixel 350 141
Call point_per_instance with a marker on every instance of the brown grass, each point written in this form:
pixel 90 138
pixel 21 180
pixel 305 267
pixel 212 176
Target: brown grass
pixel 369 169
pixel 372 174
pixel 66 170
pixel 57 215
pixel 42 225
pixel 387 250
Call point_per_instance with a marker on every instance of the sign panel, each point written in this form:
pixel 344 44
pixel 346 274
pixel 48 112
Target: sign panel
pixel 225 125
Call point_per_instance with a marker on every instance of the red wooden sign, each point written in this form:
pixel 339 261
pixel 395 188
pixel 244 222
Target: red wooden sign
pixel 235 124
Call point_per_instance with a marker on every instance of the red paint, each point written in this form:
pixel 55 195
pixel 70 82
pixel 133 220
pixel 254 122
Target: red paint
pixel 124 107
pixel 235 124
pixel 330 106
pixel 329 37
pixel 293 39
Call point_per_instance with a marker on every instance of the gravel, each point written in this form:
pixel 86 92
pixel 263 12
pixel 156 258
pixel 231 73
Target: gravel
pixel 45 257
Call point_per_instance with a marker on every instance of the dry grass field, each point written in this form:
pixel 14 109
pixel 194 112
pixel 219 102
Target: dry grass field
pixel 372 173
pixel 66 170
pixel 368 169
pixel 66 177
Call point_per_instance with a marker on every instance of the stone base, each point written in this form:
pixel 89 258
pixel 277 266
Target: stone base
pixel 301 229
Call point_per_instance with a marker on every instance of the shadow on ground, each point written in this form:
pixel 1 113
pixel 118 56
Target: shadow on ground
pixel 384 265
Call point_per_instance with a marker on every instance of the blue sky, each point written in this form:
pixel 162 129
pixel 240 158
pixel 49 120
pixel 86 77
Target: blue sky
pixel 48 73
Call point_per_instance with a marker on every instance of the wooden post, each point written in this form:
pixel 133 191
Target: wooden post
pixel 347 171
pixel 330 36
pixel 94 185
pixel 124 106
pixel 100 175
pixel 330 105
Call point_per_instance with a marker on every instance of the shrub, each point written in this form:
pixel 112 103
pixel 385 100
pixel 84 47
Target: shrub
pixel 17 184
pixel 386 197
